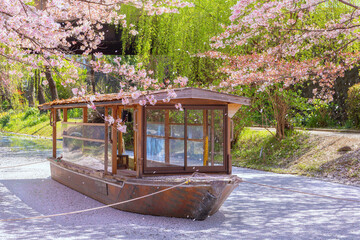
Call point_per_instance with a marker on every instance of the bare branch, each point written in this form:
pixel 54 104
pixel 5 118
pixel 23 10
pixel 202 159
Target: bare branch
pixel 349 4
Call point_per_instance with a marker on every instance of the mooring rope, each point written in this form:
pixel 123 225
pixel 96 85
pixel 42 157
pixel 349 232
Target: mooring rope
pixel 25 164
pixel 167 189
pixel 97 208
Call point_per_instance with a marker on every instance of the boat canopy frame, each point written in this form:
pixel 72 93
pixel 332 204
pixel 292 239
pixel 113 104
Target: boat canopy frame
pixel 203 101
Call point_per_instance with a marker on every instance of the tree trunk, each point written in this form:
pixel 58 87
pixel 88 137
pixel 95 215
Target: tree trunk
pixel 30 92
pixel 92 76
pixel 40 89
pixel 280 108
pixel 53 90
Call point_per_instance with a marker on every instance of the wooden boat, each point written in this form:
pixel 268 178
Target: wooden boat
pixel 170 163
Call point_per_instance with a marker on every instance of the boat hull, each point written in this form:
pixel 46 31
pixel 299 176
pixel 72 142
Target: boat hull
pixel 194 200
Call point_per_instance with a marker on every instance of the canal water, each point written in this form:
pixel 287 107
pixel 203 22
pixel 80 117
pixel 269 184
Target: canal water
pixel 15 149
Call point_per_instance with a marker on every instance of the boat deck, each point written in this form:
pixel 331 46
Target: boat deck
pixel 126 173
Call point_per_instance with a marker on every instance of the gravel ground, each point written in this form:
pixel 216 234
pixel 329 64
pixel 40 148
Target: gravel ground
pixel 251 212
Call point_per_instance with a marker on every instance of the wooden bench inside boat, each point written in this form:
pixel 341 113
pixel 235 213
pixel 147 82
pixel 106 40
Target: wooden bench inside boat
pixel 122 161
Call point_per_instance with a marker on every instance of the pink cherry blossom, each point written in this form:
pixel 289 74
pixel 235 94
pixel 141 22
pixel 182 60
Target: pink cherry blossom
pixel 179 107
pixel 109 119
pixel 121 128
pixel 142 102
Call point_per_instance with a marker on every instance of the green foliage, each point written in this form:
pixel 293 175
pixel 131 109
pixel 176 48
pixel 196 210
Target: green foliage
pixel 4 120
pixel 353 105
pixel 319 115
pixel 31 112
pixel 261 150
pixel 75 113
pixel 5 105
pixel 167 43
pixel 34 124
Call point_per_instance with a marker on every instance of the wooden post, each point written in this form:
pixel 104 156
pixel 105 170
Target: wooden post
pixel 85 115
pixel 167 135
pixel 65 117
pixel 227 142
pixel 140 155
pixel 85 120
pixel 53 113
pixel 120 134
pixel 114 141
pixel 205 139
pixel 106 147
pixel 212 137
pixel 185 139
pixel 136 130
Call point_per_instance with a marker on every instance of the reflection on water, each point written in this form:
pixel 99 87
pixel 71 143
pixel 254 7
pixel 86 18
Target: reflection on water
pixel 26 146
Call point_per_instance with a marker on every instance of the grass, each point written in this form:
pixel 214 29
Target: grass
pixel 261 150
pixel 30 122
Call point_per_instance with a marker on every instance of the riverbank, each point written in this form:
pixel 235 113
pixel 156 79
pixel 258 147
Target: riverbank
pixel 301 153
pixel 329 157
pixel 28 122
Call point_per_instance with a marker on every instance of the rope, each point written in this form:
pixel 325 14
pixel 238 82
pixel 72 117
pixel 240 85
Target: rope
pixel 26 164
pixel 97 208
pixel 306 193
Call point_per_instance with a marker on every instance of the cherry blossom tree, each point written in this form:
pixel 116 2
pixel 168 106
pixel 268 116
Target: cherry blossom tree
pixel 42 34
pixel 278 44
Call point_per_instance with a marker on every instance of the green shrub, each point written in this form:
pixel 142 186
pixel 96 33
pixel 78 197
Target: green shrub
pixel 31 112
pixel 4 120
pixel 75 113
pixel 5 105
pixel 353 105
pixel 319 116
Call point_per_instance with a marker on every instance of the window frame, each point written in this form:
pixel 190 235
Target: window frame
pixel 185 169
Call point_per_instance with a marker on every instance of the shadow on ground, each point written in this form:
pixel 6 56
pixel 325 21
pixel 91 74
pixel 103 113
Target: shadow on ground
pixel 251 212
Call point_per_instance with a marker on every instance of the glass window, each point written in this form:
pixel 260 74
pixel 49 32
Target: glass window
pixel 155 122
pixel 176 152
pixel 216 137
pixel 195 153
pixel 85 145
pixel 155 150
pixel 165 140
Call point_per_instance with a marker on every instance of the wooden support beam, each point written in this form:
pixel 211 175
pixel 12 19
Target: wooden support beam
pixel 227 143
pixel 167 135
pixel 65 116
pixel 85 115
pixel 106 147
pixel 120 134
pixel 212 137
pixel 140 156
pixel 205 138
pixel 136 130
pixel 185 139
pixel 114 141
pixel 53 113
pixel 233 108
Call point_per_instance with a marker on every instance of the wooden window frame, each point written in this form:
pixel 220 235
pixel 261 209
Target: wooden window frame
pixel 186 168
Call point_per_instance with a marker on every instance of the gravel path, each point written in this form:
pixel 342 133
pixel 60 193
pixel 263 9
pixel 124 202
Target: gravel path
pixel 251 212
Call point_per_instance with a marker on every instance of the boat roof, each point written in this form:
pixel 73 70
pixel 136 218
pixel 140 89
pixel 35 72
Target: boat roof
pixel 114 98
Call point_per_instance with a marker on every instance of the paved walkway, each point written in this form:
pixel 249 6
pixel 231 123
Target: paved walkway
pixel 251 212
pixel 322 132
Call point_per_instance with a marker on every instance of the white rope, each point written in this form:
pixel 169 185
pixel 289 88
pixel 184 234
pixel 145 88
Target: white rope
pixel 96 208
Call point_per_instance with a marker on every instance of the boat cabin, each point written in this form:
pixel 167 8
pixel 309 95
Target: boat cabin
pixel 160 139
